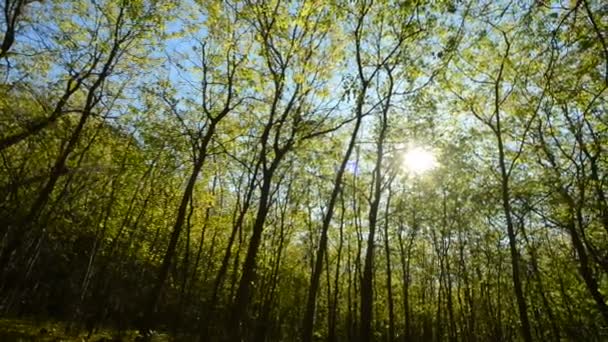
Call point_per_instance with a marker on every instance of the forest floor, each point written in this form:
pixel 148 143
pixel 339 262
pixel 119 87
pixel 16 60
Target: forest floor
pixel 22 330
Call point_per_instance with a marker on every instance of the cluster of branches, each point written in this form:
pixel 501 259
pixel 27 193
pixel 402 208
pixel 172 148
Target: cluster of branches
pixel 237 175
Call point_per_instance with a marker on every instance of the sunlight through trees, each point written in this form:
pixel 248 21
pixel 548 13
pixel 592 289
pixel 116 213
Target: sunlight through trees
pixel 271 170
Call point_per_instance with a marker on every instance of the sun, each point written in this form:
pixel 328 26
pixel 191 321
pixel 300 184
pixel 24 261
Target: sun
pixel 418 160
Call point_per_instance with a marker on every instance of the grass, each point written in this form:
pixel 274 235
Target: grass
pixel 24 330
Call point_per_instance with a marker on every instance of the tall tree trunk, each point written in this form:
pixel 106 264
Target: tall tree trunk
pixel 156 294
pixel 506 204
pixel 240 310
pixel 309 315
pixel 29 221
pixel 575 216
pixel 236 227
pixel 405 253
pixel 12 11
pixel 23 226
pixel 389 272
pixel 332 334
pixel 367 301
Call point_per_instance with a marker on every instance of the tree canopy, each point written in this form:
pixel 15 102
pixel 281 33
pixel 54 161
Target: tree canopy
pixel 312 170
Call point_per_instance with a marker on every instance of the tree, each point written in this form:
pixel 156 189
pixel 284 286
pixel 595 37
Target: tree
pixel 317 170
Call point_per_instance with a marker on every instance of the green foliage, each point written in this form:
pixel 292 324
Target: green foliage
pixel 107 108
